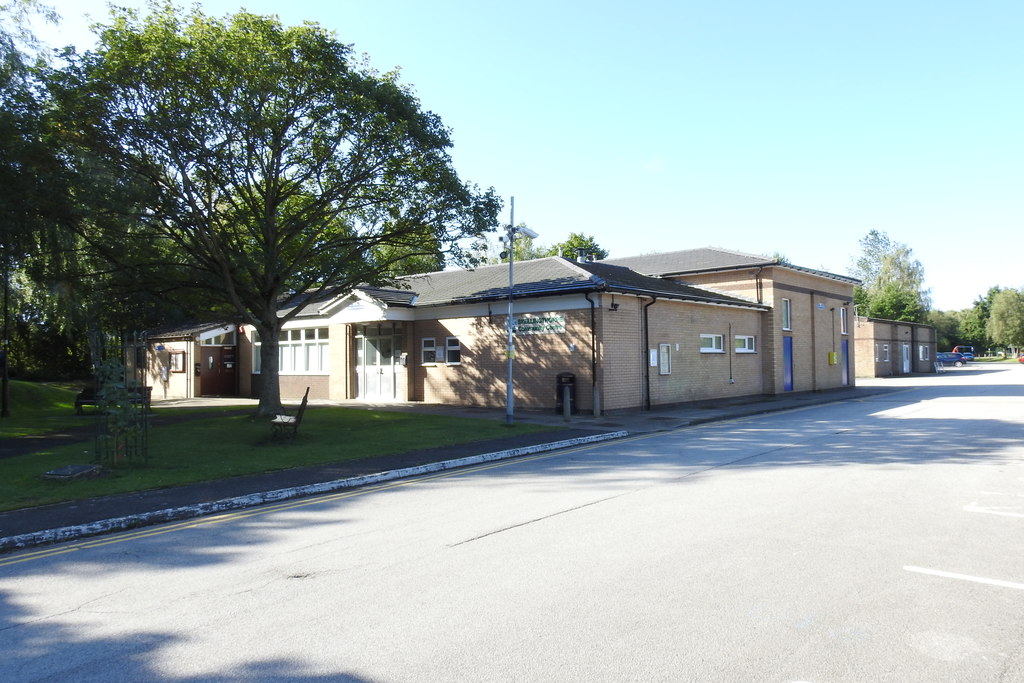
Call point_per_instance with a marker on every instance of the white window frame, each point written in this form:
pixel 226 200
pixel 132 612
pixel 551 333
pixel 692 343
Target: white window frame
pixel 452 345
pixel 885 353
pixel 745 343
pixel 922 352
pixel 664 359
pixel 257 348
pixel 304 351
pixel 787 314
pixel 430 348
pixel 717 343
pixel 843 326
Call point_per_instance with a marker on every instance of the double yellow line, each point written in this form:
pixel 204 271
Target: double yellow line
pixel 270 508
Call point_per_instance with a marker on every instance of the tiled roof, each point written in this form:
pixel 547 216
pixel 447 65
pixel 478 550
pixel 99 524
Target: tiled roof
pixel 690 261
pixel 552 275
pixel 639 275
pixel 545 277
pixel 392 297
pixel 184 330
pixel 708 259
pixel 622 279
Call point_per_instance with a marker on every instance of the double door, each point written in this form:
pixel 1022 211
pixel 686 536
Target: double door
pixel 378 357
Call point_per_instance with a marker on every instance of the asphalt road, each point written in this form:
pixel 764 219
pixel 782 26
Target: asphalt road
pixel 871 540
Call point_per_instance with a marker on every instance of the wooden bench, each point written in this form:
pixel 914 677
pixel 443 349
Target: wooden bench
pixel 286 426
pixel 89 396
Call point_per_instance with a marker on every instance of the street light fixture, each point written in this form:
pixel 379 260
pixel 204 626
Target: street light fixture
pixel 511 231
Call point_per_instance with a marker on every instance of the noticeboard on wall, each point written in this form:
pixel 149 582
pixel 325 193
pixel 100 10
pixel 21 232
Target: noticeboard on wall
pixel 539 324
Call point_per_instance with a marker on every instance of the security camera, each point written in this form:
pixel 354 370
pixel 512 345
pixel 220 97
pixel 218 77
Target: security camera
pixel 526 232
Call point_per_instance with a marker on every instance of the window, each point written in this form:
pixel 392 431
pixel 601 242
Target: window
pixel 712 343
pixel 885 353
pixel 428 350
pixel 787 314
pixel 304 351
pixel 745 344
pixel 177 361
pixel 923 352
pixel 223 339
pixel 452 351
pixel 664 359
pixel 257 345
pixel 842 321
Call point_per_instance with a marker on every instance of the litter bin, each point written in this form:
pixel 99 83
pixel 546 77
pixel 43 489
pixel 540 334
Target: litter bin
pixel 565 380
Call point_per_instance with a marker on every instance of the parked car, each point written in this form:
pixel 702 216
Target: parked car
pixel 966 351
pixel 1020 358
pixel 957 360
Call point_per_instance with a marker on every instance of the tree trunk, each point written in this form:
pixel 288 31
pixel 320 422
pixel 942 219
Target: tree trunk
pixel 270 371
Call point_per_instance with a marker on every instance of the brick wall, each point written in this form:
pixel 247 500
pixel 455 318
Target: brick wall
pixel 480 378
pixel 875 335
pixel 816 304
pixel 697 375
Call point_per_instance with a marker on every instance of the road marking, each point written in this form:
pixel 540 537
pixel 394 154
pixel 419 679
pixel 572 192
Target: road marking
pixel 270 508
pixel 974 507
pixel 67 547
pixel 967 577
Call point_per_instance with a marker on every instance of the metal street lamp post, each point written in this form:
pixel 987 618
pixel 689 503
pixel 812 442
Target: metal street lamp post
pixel 510 352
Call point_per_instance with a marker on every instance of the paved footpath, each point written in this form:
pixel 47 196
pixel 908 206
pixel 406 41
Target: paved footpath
pixel 67 521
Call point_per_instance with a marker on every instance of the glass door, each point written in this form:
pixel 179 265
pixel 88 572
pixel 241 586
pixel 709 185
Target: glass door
pixel 378 348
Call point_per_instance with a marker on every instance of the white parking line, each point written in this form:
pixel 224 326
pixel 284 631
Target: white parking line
pixel 974 507
pixel 966 577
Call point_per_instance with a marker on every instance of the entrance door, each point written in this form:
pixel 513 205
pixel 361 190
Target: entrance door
pixel 378 348
pixel 845 348
pixel 217 371
pixel 906 359
pixel 787 363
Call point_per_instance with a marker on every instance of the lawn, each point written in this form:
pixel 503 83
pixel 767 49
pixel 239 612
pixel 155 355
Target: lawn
pixel 37 408
pixel 223 444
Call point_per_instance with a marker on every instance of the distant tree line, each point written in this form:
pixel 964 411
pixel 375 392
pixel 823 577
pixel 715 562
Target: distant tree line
pixel 892 288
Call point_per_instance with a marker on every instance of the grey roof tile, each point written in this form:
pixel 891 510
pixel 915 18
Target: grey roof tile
pixel 708 259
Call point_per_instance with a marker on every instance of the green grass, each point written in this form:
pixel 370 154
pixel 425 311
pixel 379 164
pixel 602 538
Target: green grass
pixel 225 444
pixel 39 408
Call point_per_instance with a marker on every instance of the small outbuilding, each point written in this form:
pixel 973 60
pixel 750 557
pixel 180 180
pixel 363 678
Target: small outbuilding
pixel 887 348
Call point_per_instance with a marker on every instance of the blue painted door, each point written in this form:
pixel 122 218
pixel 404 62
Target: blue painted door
pixel 787 363
pixel 845 360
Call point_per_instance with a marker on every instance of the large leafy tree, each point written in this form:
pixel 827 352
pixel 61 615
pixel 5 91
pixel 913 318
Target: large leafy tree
pixel 33 204
pixel 947 327
pixel 258 161
pixel 892 280
pixel 974 321
pixel 1006 319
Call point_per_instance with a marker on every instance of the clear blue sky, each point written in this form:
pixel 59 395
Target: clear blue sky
pixel 761 126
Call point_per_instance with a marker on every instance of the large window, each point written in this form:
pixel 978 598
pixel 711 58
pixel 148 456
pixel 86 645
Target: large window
pixel 787 314
pixel 712 343
pixel 300 352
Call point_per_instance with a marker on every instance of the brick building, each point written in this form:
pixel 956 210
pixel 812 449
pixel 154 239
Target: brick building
pixel 887 348
pixel 634 333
